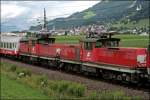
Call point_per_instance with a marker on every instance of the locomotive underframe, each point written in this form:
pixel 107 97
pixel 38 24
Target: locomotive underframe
pixel 102 70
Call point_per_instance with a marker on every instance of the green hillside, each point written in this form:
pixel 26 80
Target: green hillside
pixel 132 24
pixel 106 12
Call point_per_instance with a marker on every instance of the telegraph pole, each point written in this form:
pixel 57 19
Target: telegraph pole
pixel 45 21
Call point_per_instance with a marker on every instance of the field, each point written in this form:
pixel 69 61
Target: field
pixel 126 40
pixel 16 85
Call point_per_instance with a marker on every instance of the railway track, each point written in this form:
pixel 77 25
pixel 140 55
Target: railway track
pixel 92 82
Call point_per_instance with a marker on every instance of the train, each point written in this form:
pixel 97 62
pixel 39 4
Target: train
pixel 99 56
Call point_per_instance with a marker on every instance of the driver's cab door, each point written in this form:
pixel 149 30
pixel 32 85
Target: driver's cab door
pixel 87 49
pixel 32 46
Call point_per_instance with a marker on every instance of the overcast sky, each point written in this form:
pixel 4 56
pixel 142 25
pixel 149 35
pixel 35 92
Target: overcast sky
pixel 31 10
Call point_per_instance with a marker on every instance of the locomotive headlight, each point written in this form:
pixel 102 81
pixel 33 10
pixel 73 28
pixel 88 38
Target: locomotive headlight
pixel 141 58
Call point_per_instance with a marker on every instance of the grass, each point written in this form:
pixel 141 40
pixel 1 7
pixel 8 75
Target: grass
pixel 35 86
pixel 126 40
pixel 12 89
pixel 133 40
pixel 40 83
pixel 68 39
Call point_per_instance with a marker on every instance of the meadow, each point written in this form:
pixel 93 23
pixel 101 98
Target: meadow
pixel 126 40
pixel 21 83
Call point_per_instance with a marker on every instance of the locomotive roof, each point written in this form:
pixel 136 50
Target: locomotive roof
pixel 99 39
pixel 27 39
pixel 9 38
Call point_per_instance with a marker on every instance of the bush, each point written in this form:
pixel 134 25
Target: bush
pixel 13 68
pixel 43 80
pixel 76 89
pixel 23 72
pixel 26 72
pixel 71 88
pixel 62 86
pixel 116 95
pixel 59 86
pixel 93 96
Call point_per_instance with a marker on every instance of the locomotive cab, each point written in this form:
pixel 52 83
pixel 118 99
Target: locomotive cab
pixel 107 42
pixel 45 38
pixel 92 45
pixel 103 41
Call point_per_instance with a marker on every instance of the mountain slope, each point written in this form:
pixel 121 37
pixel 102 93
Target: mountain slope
pixel 103 13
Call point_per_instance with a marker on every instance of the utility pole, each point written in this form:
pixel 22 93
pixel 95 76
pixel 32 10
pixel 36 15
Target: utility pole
pixel 45 22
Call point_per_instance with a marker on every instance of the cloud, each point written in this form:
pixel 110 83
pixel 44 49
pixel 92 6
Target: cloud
pixel 28 12
pixel 11 11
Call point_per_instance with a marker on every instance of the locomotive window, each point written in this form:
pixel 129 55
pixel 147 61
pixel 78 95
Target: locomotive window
pixel 112 43
pixel 98 44
pixel 88 45
pixel 43 42
pixel 33 43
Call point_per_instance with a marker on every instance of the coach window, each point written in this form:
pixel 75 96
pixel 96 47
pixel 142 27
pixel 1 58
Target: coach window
pixel 10 45
pixel 6 45
pixel 3 44
pixel 15 45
